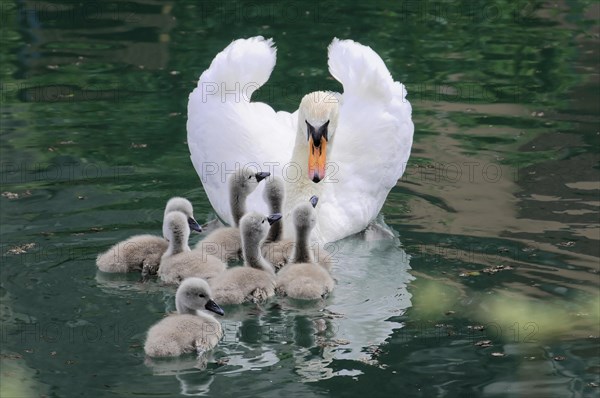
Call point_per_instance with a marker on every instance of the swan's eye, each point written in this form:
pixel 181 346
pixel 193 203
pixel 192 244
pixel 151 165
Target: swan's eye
pixel 201 295
pixel 250 176
pixel 263 221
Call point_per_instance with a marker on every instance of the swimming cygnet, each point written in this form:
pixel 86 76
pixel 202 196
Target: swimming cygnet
pixel 190 328
pixel 255 281
pixel 225 243
pixel 276 250
pixel 179 262
pixel 279 251
pixel 143 252
pixel 305 278
pixel 183 205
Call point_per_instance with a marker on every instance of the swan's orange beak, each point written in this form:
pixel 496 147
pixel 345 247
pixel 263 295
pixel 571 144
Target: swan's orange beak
pixel 316 159
pixel 317 150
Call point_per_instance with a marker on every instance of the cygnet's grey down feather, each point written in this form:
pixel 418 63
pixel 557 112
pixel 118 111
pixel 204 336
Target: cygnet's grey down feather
pixel 304 278
pixel 277 250
pixel 133 254
pixel 255 281
pixel 191 328
pixel 143 252
pixel 179 262
pixel 225 243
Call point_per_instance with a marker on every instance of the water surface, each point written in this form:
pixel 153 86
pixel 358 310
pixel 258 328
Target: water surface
pixel 489 288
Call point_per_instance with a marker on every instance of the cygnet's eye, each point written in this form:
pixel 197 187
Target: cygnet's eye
pixel 263 221
pixel 201 295
pixel 250 176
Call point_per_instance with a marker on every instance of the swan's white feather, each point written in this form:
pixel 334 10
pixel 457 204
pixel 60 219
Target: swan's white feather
pixel 368 152
pixel 226 130
pixel 372 142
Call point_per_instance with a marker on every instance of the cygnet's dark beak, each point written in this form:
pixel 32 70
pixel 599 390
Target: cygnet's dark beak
pixel 314 200
pixel 214 307
pixel 262 175
pixel 194 226
pixel 273 218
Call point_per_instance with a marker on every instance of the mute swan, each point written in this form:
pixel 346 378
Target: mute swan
pixel 255 281
pixel 305 278
pixel 143 252
pixel 179 262
pixel 191 328
pixel 339 147
pixel 226 243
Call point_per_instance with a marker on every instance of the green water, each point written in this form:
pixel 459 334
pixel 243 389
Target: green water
pixel 504 172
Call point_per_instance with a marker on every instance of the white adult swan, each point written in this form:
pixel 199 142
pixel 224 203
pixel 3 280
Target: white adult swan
pixel 349 149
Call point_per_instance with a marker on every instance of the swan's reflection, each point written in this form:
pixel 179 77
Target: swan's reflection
pixel 372 277
pixel 371 288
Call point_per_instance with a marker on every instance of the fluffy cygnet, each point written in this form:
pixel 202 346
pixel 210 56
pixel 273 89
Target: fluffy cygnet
pixel 305 278
pixel 191 328
pixel 183 205
pixel 276 250
pixel 225 243
pixel 255 281
pixel 179 262
pixel 143 252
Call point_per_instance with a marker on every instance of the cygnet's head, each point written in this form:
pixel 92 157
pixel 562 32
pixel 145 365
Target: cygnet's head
pixel 274 193
pixel 317 123
pixel 195 294
pixel 183 205
pixel 255 226
pixel 305 216
pixel 245 181
pixel 176 228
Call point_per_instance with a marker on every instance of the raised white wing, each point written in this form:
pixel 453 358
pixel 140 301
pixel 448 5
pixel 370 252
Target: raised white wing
pixel 227 131
pixel 372 143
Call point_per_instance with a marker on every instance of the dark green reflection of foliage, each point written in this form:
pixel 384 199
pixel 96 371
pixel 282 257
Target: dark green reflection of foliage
pixel 468 52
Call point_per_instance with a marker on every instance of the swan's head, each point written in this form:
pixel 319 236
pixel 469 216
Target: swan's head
pixel 244 182
pixel 317 123
pixel 195 294
pixel 175 227
pixel 305 216
pixel 183 205
pixel 274 193
pixel 255 226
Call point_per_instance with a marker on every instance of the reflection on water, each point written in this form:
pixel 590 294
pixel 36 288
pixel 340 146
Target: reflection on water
pixel 497 211
pixel 371 291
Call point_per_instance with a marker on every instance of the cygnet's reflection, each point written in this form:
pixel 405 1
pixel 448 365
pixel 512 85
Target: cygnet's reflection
pixel 371 289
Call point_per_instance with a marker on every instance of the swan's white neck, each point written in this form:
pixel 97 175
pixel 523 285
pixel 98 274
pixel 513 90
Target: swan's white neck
pixel 237 201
